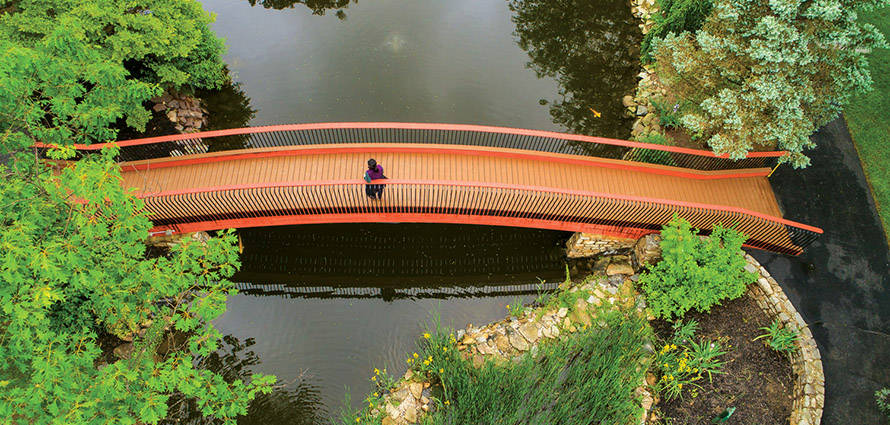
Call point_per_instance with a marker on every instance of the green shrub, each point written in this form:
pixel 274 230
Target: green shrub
pixel 779 338
pixel 675 16
pixel 695 273
pixel 668 114
pixel 882 397
pixel 652 156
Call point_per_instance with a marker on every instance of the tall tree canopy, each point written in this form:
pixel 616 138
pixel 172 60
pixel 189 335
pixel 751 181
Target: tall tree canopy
pixel 72 68
pixel 73 264
pixel 769 73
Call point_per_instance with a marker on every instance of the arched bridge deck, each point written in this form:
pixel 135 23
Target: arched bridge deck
pixel 465 179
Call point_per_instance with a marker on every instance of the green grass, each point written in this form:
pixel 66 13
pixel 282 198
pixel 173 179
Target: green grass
pixel 587 377
pixel 868 117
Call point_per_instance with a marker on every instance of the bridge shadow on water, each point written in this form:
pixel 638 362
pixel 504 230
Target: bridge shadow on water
pixel 399 260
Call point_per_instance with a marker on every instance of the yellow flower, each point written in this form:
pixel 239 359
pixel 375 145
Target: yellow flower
pixel 409 361
pixel 415 355
pixel 358 420
pixel 447 402
pixel 376 371
pixel 508 306
pixel 426 362
pixel 444 349
pixel 373 378
pixel 679 386
pixel 426 335
pixel 441 371
pixel 376 395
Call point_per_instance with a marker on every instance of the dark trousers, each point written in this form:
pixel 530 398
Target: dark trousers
pixel 374 190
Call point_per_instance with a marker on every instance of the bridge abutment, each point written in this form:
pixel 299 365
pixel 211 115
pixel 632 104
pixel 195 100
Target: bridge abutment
pixel 582 245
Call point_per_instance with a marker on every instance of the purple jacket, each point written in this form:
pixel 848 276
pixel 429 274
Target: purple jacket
pixel 375 174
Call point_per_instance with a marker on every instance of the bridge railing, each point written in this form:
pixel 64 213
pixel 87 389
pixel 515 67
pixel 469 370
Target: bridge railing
pixel 456 202
pixel 447 134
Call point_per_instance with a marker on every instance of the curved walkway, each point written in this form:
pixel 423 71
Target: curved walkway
pixel 841 284
pixel 451 183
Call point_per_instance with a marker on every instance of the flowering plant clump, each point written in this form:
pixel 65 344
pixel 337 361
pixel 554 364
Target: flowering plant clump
pixel 682 361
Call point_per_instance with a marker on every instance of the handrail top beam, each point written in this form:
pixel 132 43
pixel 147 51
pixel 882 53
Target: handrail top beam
pixel 416 126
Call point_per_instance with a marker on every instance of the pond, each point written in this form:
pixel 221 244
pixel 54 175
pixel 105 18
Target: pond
pixel 323 305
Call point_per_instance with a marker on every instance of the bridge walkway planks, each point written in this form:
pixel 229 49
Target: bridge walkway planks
pixel 750 190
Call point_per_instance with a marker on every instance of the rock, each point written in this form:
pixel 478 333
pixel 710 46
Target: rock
pixel 620 265
pixel 478 361
pixel 159 107
pixel 563 312
pixel 546 332
pixel 392 412
pixel 638 128
pixel 409 374
pixel 468 340
pixel 580 316
pixel 485 349
pixel 554 330
pixel 172 116
pixel 503 344
pixel 517 341
pixel 411 414
pixel 173 104
pixel 127 338
pixel 388 421
pixel 627 101
pixel 650 379
pixel 647 250
pixel 529 332
pixel 642 110
pixel 416 389
pixel 124 350
pixel 647 120
pixel 399 395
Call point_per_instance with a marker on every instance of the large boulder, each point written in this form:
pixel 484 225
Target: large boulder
pixel 647 251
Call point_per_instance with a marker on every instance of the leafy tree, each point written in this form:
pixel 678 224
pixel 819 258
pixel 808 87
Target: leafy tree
pixel 74 268
pixel 695 273
pixel 769 73
pixel 674 16
pixel 72 68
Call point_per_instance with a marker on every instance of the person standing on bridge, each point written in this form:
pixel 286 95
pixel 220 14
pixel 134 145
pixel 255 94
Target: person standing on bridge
pixel 374 172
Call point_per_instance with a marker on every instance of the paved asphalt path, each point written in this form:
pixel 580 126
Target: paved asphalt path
pixel 841 284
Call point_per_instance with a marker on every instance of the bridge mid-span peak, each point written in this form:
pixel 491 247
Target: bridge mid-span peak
pixel 463 179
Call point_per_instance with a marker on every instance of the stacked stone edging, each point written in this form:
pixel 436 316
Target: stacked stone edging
pixel 582 245
pixel 806 362
pixel 514 336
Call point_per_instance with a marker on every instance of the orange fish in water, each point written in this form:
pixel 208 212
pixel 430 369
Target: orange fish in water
pixel 595 113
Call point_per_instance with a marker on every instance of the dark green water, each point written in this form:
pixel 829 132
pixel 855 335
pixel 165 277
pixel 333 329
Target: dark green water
pixel 325 305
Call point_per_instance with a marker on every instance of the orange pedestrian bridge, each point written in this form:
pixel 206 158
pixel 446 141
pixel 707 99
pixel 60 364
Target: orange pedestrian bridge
pixel 443 173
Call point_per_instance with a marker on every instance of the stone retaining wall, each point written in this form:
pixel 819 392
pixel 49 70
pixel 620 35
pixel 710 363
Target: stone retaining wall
pixel 582 245
pixel 806 362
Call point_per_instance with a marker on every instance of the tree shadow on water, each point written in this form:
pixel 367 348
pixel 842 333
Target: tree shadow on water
pixel 591 48
pixel 297 402
pixel 318 7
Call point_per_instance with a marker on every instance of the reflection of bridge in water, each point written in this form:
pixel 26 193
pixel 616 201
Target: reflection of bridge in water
pixel 392 293
pixel 418 254
pixel 311 173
